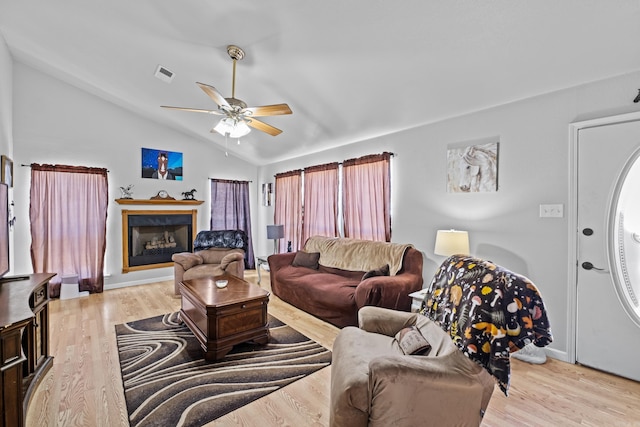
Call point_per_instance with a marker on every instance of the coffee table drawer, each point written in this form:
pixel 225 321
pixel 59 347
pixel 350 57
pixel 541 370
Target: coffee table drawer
pixel 241 318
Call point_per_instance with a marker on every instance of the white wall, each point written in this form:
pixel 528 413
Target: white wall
pixel 55 122
pixel 504 226
pixel 6 116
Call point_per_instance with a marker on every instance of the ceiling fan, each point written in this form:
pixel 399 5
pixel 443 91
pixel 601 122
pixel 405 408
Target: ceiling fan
pixel 237 116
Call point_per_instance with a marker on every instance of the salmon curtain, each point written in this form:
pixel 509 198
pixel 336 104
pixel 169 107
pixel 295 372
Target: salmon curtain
pixel 320 201
pixel 366 197
pixel 68 215
pixel 288 209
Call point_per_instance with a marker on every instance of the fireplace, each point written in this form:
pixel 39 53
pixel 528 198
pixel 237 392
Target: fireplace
pixel 150 237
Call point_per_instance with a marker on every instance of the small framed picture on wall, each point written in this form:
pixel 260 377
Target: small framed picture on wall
pixel 161 164
pixel 472 168
pixel 267 193
pixel 7 171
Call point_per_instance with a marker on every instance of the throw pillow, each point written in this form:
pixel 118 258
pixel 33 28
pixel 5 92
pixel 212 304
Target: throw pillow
pixel 412 342
pixel 382 271
pixel 306 259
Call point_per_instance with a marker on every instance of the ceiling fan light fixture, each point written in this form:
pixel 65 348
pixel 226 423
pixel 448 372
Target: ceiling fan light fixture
pixel 232 128
pixel 240 130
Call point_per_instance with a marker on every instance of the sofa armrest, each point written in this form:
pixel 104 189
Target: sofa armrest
pixel 388 291
pixel 278 261
pixel 229 258
pixel 398 384
pixel 233 263
pixel 384 321
pixel 187 260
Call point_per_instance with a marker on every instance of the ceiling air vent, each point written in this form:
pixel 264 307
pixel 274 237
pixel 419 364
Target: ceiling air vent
pixel 164 74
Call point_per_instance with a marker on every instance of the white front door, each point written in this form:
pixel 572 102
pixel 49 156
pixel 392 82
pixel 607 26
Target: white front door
pixel 608 249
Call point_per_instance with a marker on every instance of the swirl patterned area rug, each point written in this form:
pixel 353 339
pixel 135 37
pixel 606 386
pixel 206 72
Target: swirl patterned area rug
pixel 167 382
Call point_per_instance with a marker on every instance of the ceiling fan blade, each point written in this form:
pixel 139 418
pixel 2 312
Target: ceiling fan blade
pixel 214 94
pixel 262 126
pixel 194 110
pixel 268 110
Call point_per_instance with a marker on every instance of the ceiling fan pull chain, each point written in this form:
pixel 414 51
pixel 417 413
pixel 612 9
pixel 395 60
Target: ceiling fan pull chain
pixel 226 144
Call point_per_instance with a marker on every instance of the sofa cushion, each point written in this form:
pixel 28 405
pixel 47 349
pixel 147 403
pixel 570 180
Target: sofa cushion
pixel 382 271
pixel 327 296
pixel 306 259
pixel 412 342
pixel 216 255
pixel 203 270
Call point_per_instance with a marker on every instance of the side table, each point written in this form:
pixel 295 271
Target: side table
pixel 416 299
pixel 260 261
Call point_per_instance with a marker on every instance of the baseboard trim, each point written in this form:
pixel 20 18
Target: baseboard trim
pixel 557 354
pixel 136 282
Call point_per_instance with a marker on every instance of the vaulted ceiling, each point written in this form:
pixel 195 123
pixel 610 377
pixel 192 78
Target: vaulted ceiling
pixel 349 70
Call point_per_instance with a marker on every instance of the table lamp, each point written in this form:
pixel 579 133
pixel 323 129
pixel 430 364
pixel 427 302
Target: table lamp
pixel 452 242
pixel 275 232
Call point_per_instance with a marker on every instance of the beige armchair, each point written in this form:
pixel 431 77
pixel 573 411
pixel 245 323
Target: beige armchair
pixel 474 314
pixel 209 262
pixel 373 383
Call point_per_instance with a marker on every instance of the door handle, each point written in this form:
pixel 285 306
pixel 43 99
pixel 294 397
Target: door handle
pixel 588 266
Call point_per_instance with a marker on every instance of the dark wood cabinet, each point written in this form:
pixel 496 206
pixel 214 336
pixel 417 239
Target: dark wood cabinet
pixel 24 343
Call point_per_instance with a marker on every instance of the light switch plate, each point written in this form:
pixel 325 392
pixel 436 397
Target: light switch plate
pixel 552 210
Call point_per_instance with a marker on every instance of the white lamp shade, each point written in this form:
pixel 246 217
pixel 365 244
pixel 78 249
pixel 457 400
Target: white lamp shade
pixel 452 242
pixel 240 130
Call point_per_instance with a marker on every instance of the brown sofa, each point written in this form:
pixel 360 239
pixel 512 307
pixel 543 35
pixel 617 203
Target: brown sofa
pixel 345 277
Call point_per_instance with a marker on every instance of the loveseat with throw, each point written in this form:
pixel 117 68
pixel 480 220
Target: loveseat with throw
pixel 331 278
pixel 437 367
pixel 215 252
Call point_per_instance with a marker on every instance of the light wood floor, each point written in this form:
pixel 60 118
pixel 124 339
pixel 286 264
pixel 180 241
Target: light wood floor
pixel 84 387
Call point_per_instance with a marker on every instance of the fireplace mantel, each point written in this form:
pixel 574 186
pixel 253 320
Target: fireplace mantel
pixel 158 202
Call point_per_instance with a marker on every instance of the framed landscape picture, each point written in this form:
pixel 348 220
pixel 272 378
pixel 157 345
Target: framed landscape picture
pixel 472 168
pixel 161 164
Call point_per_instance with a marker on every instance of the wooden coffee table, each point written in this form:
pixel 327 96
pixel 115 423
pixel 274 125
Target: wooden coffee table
pixel 222 318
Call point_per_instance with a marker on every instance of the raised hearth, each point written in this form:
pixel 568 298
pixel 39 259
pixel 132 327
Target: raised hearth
pixel 150 237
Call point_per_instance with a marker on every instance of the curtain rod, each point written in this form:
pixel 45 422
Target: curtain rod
pixel 228 180
pixel 339 163
pixel 28 166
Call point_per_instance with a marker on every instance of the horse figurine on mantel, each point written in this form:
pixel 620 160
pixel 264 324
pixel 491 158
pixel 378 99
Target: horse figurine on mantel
pixel 478 169
pixel 188 195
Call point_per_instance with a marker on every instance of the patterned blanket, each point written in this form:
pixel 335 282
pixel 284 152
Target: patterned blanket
pixel 488 310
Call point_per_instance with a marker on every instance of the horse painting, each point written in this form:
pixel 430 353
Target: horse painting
pixel 473 168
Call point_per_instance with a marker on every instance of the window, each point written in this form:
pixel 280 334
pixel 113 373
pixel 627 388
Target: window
pixel 230 211
pixel 361 212
pixel 68 215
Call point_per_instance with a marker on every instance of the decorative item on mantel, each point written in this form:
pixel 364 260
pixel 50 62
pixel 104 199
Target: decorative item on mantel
pixel 127 192
pixel 188 195
pixel 162 195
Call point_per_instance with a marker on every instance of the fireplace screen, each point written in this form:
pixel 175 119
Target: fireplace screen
pixel 153 236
